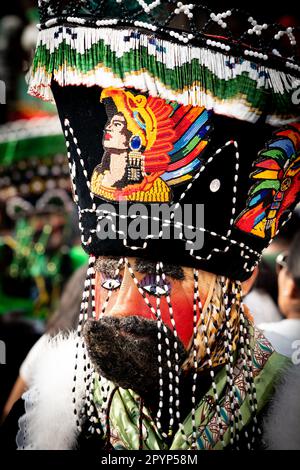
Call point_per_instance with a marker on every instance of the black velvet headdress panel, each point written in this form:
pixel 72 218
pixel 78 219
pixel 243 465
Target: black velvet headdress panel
pixel 247 179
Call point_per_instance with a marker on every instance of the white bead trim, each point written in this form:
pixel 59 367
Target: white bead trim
pixel 293 66
pixel 218 44
pixel 184 8
pixel 107 22
pixel 256 54
pixel 219 18
pixel 256 28
pixel 148 7
pixel 141 24
pixel 289 33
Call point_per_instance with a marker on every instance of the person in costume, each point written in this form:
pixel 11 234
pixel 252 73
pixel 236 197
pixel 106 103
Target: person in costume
pixel 63 320
pixel 166 356
pixel 35 196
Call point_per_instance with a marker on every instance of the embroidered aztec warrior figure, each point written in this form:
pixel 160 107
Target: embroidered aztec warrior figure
pixel 166 355
pixel 277 176
pixel 142 159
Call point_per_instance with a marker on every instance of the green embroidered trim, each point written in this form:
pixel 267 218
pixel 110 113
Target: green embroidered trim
pixel 190 75
pixel 100 56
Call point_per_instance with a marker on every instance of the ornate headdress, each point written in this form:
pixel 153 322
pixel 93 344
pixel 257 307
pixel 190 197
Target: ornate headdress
pixel 220 78
pixel 220 81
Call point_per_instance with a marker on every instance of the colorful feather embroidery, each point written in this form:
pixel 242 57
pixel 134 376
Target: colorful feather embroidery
pixel 277 186
pixel 192 128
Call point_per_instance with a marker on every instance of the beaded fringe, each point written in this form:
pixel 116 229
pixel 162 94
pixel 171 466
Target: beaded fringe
pixel 200 76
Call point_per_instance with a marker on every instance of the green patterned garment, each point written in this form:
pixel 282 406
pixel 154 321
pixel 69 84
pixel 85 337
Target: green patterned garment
pixel 125 406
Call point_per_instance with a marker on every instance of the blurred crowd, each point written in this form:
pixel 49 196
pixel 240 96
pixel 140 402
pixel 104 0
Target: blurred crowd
pixel 42 266
pixel 39 240
pixel 274 299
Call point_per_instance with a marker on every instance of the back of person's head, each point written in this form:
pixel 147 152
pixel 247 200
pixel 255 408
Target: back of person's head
pixel 293 261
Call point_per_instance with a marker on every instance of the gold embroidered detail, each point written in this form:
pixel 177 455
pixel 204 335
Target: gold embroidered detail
pixel 159 192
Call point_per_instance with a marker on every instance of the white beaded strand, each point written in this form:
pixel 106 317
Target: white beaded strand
pixel 103 383
pixel 195 362
pixel 81 160
pixel 244 356
pixel 211 370
pixel 90 380
pixel 171 313
pixel 72 166
pixel 220 17
pixel 88 406
pixel 159 358
pixel 253 394
pixel 229 364
pixel 289 33
pixel 234 405
pixel 184 8
pixel 256 28
pixel 153 310
pixel 148 7
pixel 78 341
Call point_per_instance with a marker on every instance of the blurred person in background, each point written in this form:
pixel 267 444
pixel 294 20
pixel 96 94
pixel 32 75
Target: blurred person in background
pixel 18 33
pixel 62 321
pixel 262 300
pixel 282 243
pixel 285 334
pixel 57 393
